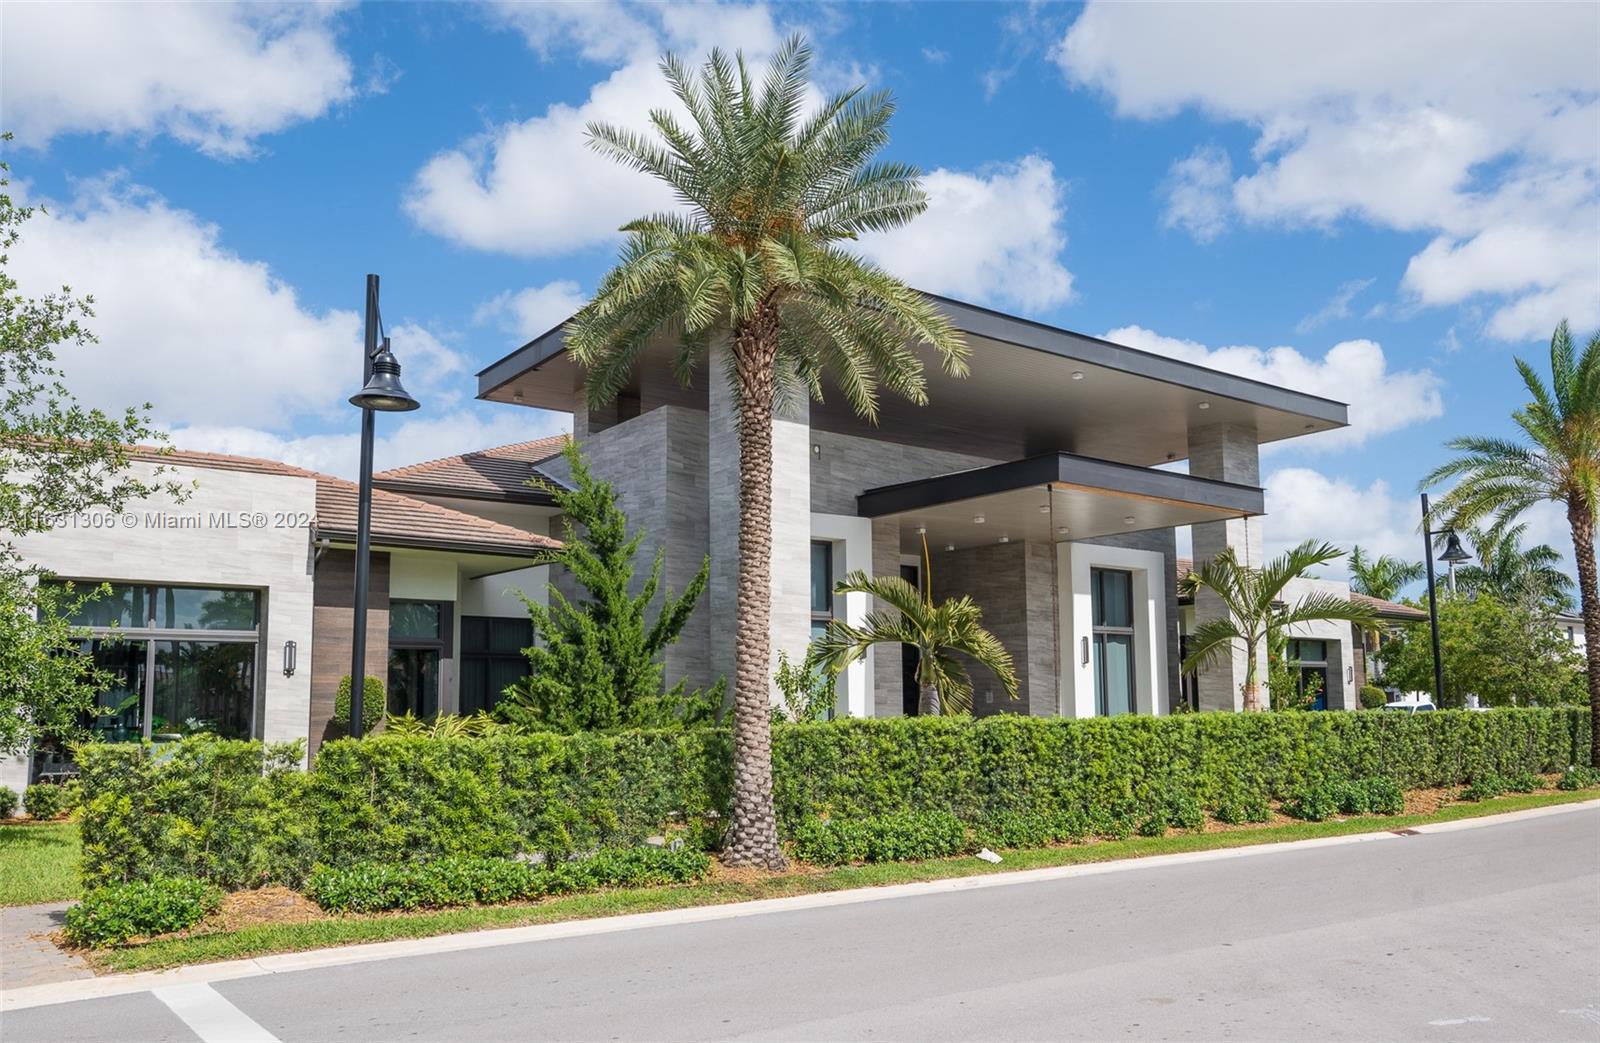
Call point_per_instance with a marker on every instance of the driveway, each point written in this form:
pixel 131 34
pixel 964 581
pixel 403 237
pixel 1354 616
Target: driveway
pixel 1483 933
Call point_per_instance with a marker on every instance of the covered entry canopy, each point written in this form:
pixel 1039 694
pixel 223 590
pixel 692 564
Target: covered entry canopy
pixel 1053 497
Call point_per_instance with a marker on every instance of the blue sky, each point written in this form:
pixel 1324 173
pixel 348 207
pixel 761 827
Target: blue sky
pixel 1378 204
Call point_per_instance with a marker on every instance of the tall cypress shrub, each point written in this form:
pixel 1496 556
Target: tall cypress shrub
pixel 596 661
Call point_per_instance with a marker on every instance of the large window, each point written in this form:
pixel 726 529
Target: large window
pixel 418 632
pixel 1111 596
pixel 166 680
pixel 491 658
pixel 821 586
pixel 1313 682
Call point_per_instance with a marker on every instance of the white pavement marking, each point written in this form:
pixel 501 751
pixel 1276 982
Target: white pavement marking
pixel 211 1017
pixel 1471 1019
pixel 125 984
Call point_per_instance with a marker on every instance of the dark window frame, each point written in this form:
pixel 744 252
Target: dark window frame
pixel 1102 634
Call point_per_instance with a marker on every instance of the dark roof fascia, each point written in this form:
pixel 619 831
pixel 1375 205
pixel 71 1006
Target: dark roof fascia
pixel 380 542
pixel 1025 333
pixel 531 498
pixel 1063 468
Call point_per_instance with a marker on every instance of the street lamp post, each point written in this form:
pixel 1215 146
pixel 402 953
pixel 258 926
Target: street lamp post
pixel 381 392
pixel 1453 553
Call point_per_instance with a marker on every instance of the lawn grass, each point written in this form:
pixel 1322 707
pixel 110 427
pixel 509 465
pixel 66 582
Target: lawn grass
pixel 347 930
pixel 39 863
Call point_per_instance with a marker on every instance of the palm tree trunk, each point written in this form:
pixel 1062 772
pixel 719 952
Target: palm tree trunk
pixel 1580 516
pixel 928 701
pixel 1252 689
pixel 753 834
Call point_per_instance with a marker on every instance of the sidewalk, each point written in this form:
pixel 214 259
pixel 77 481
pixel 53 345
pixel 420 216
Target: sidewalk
pixel 27 955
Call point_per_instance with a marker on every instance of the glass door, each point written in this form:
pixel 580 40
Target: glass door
pixel 414 681
pixel 1313 658
pixel 1111 597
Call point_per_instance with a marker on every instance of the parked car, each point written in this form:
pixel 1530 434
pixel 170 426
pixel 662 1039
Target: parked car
pixel 1407 706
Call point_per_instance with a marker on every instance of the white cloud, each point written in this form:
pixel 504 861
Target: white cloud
pixel 1305 504
pixel 600 30
pixel 994 236
pixel 1338 306
pixel 529 312
pixel 1478 124
pixel 533 187
pixel 934 56
pixel 1197 193
pixel 216 76
pixel 1353 371
pixel 405 439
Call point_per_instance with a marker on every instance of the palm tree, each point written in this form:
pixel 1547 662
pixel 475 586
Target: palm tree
pixel 1558 459
pixel 1382 577
pixel 753 260
pixel 1511 572
pixel 940 633
pixel 1254 600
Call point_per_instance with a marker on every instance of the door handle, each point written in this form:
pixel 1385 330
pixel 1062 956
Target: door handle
pixel 1085 651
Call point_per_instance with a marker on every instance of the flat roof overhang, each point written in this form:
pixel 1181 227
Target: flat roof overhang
pixel 1033 388
pixel 1053 498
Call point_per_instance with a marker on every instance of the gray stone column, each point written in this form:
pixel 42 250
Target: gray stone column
pixel 791 523
pixel 888 670
pixel 1230 453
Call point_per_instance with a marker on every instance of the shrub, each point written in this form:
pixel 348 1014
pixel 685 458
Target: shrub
pixel 8 802
pixel 1384 796
pixel 237 814
pixel 112 915
pixel 371 887
pixel 373 704
pixel 46 800
pixel 1484 787
pixel 1523 782
pixel 1372 697
pixel 888 838
pixel 1313 805
pixel 1237 808
pixel 1376 795
pixel 1183 811
pixel 1153 826
pixel 1578 776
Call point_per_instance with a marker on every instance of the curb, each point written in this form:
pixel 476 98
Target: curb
pixel 143 981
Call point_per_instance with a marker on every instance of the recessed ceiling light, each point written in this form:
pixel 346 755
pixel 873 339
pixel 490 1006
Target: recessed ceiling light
pixel 1203 405
pixel 1005 539
pixel 977 519
pixel 1077 374
pixel 1310 426
pixel 1044 508
pixel 1062 530
pixel 922 530
pixel 1130 519
pixel 516 396
pixel 949 546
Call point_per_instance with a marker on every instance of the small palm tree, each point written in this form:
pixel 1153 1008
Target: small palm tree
pixel 753 259
pixel 1254 600
pixel 940 633
pixel 1382 577
pixel 1557 459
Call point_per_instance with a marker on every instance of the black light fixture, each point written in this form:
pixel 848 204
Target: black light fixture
pixel 384 392
pixel 1453 554
pixel 381 392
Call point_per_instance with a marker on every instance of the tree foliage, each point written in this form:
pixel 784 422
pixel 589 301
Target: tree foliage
pixel 1507 653
pixel 58 458
pixel 1511 572
pixel 596 663
pixel 1255 609
pixel 1382 577
pixel 1556 457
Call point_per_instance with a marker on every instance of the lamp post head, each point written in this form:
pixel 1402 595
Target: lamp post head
pixel 1454 553
pixel 384 391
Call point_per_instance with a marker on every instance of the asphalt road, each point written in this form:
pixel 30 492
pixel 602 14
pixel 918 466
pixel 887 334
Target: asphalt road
pixel 1490 933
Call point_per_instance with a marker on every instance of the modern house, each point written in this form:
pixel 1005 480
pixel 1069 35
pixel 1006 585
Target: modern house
pixel 231 611
pixel 1048 485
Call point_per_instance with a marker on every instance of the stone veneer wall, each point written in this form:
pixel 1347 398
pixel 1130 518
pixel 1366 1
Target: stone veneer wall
pixel 1014 585
pixel 333 630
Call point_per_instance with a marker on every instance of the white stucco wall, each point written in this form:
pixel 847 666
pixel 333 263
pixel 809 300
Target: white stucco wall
pixel 1073 564
pixel 852 551
pixel 238 529
pixel 1341 679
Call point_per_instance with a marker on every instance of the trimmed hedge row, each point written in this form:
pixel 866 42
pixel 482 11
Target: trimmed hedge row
pixel 142 909
pixel 239 814
pixel 378 886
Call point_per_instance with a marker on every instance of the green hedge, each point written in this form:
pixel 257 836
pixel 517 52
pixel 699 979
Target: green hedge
pixel 239 814
pixel 113 915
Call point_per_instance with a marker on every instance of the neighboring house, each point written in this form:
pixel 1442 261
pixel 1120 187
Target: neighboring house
pixel 1570 626
pixel 1037 483
pixel 1337 652
pixel 231 612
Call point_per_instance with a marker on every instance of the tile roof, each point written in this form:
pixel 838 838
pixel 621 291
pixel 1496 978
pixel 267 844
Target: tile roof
pixel 1384 609
pixel 500 473
pixel 397 521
